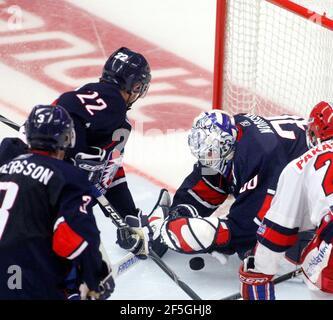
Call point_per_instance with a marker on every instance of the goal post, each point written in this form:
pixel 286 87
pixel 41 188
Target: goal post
pixel 273 56
pixel 306 13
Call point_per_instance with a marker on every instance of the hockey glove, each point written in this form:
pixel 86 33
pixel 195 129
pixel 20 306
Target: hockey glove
pixel 255 286
pixel 156 218
pixel 136 239
pixel 105 287
pixel 92 162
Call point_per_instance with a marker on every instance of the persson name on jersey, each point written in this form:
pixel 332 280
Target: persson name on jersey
pixel 36 172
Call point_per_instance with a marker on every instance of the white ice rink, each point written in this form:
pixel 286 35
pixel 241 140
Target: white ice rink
pixel 185 30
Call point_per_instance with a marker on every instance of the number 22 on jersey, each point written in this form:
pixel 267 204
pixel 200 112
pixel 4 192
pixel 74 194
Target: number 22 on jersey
pixel 97 105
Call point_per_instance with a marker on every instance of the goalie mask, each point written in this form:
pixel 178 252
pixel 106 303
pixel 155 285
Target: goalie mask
pixel 212 140
pixel 320 124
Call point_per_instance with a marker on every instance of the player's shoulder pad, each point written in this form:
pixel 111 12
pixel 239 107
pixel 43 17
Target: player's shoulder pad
pixel 254 148
pixel 104 90
pixel 11 148
pixel 91 92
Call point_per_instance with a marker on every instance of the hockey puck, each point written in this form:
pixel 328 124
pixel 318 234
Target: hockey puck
pixel 197 263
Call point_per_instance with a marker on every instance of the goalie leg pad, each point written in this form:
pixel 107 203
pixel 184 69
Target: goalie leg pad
pixel 194 235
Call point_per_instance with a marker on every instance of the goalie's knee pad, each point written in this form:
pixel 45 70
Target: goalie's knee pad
pixel 194 235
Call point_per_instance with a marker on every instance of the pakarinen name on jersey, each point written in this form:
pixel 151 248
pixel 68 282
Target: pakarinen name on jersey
pixel 36 172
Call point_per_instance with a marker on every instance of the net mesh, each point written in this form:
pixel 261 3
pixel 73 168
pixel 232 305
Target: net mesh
pixel 276 61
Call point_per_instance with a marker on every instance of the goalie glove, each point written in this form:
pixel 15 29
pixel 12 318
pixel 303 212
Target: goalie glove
pixel 136 239
pixel 195 234
pixel 254 285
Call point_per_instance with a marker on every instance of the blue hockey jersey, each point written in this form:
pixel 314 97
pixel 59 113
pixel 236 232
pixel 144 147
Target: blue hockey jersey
pixel 264 147
pixel 47 225
pixel 99 114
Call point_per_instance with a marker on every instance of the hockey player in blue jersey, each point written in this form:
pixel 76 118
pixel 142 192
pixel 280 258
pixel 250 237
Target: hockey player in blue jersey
pixel 99 111
pixel 241 156
pixel 47 225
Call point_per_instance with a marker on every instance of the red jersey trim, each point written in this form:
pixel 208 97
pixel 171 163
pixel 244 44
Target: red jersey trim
pixel 65 240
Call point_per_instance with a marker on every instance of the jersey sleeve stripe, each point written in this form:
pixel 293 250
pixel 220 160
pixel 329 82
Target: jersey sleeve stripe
pixel 78 251
pixel 119 174
pixel 265 207
pixel 276 237
pixel 110 145
pixel 212 186
pixel 208 194
pixel 202 202
pixel 66 242
pixel 117 182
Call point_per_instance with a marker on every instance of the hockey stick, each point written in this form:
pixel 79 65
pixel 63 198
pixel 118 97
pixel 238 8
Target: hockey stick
pixel 9 123
pixel 278 280
pixel 124 264
pixel 107 283
pixel 154 256
pixel 121 224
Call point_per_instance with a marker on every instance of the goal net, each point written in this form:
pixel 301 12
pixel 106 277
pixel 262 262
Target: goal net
pixel 277 56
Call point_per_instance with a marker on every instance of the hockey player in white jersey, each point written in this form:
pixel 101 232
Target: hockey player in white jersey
pixel 303 201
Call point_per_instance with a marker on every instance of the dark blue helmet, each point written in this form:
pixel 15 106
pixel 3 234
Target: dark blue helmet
pixel 49 128
pixel 129 70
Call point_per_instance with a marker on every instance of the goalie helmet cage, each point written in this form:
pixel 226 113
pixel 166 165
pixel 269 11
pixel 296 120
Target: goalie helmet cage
pixel 273 56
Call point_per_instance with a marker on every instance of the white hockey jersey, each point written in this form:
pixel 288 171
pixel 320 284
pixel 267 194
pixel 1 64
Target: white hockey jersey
pixel 304 195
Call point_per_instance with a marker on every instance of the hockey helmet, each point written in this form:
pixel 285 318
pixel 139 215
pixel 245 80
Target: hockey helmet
pixel 49 128
pixel 129 70
pixel 212 140
pixel 320 123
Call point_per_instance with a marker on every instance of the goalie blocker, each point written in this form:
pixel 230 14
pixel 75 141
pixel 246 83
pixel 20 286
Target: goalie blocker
pixel 189 233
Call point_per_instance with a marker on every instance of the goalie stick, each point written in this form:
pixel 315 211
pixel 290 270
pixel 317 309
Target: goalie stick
pixel 120 223
pixel 278 280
